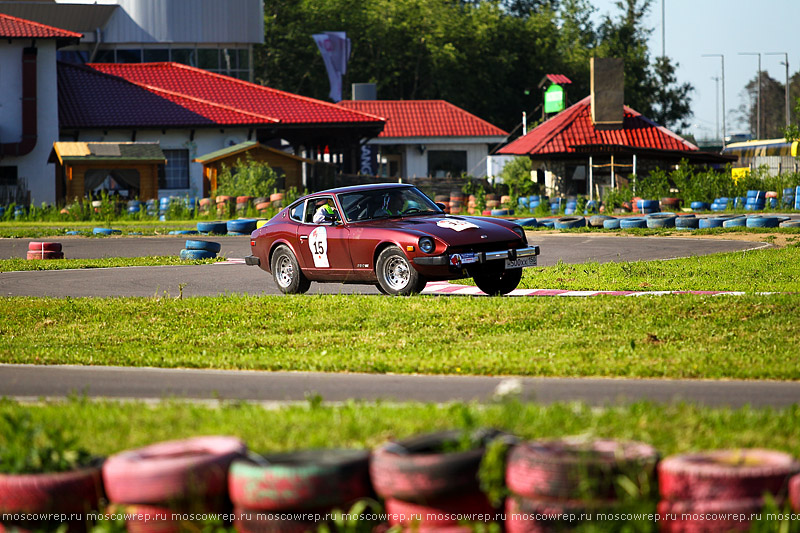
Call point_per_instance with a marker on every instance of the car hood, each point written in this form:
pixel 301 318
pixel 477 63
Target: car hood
pixel 453 230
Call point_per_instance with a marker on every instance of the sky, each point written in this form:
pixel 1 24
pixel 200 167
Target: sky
pixel 727 27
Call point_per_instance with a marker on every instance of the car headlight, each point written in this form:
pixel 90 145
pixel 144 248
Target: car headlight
pixel 426 244
pixel 521 232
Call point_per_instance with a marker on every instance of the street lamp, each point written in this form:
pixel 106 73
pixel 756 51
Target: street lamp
pixel 786 63
pixel 758 99
pixel 716 106
pixel 722 60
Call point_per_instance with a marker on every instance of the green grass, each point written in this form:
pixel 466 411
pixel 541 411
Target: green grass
pixel 770 270
pixel 34 230
pixel 106 427
pixel 17 264
pixel 682 336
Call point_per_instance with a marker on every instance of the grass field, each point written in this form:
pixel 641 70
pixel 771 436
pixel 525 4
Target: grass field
pixel 107 427
pixel 15 265
pixel 752 337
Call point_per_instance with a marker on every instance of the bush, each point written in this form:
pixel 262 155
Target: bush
pixel 516 175
pixel 249 178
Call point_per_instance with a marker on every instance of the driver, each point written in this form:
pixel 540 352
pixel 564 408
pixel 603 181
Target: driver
pixel 325 213
pixel 395 204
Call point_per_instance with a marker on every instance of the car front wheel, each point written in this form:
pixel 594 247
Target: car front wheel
pixel 396 275
pixel 286 271
pixel 495 282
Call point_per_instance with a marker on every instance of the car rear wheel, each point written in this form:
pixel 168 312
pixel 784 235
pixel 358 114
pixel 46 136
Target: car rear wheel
pixel 495 282
pixel 396 275
pixel 286 272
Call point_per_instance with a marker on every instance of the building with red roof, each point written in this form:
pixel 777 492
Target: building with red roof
pixel 28 96
pixel 567 146
pixel 429 138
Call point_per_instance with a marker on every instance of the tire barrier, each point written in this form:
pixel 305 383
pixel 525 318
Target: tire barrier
pixel 666 220
pixel 591 207
pixel 715 222
pixel 219 228
pixel 105 231
pixel 210 246
pixel 570 222
pixel 528 223
pixel 193 255
pixel 303 480
pixel 648 206
pixel 670 203
pixel 569 469
pixel 699 206
pixel 687 222
pixel 242 226
pixel 787 199
pixel 633 222
pixel 176 474
pixel 737 222
pixel 790 224
pixel 596 221
pixel 547 223
pixel 32 255
pixel 184 232
pixel 501 212
pixel 38 246
pixel 611 223
pixel 762 222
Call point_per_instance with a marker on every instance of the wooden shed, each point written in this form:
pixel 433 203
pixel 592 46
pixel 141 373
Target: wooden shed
pixel 85 167
pixel 288 167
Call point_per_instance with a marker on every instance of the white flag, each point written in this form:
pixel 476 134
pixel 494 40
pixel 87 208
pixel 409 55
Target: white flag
pixel 335 49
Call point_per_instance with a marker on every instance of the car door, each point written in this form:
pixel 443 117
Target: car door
pixel 324 248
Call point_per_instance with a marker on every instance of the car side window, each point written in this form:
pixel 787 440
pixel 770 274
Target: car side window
pixel 296 212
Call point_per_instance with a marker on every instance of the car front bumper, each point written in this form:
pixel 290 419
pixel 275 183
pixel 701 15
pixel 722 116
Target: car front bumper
pixel 457 260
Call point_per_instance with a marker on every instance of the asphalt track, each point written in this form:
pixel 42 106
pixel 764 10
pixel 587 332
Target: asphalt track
pixel 33 382
pixel 237 278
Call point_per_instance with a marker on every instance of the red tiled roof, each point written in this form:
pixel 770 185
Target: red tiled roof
pixel 558 79
pixel 425 118
pixel 573 127
pixel 233 101
pixel 17 28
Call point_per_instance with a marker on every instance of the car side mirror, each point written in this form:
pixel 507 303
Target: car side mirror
pixel 441 206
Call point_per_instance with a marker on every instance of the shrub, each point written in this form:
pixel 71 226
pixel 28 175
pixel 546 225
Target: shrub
pixel 248 178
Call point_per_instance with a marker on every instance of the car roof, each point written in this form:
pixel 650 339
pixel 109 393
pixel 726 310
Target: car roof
pixel 358 188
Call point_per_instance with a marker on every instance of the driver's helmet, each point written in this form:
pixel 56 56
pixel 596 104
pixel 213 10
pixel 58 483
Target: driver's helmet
pixel 412 204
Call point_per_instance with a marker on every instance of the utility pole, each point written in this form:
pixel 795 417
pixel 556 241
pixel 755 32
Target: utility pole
pixel 758 98
pixel 722 61
pixel 663 32
pixel 716 106
pixel 785 62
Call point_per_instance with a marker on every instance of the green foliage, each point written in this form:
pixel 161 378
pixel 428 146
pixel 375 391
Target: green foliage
pixel 516 176
pixel 614 198
pixel 353 520
pixel 246 178
pixel 476 188
pixel 29 447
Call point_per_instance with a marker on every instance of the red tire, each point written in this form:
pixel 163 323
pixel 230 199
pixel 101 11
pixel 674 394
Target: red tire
pixel 710 516
pixel 78 491
pixel 263 205
pixel 312 479
pixel 31 255
pixel 175 472
pixel 794 493
pixel 447 512
pixel 38 246
pixel 726 474
pixel 416 469
pixel 571 469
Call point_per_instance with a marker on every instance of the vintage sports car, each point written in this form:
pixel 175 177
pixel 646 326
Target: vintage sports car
pixel 391 236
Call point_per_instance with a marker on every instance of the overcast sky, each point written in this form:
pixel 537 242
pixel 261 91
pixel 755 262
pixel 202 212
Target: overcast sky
pixel 728 27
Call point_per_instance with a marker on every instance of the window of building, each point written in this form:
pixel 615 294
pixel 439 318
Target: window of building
pixel 187 56
pixel 129 56
pixel 104 56
pixel 155 55
pixel 443 163
pixel 208 59
pixel 176 171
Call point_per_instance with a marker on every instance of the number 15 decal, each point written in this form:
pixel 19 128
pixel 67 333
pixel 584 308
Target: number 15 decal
pixel 318 242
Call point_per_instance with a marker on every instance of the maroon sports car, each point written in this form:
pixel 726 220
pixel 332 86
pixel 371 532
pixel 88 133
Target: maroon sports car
pixel 391 236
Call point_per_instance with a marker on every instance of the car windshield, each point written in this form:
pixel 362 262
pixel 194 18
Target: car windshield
pixel 374 204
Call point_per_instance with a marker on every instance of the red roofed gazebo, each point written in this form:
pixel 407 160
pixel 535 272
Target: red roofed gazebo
pixel 576 156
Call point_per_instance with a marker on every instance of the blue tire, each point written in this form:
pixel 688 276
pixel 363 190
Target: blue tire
pixel 762 222
pixel 495 213
pixel 220 228
pixel 184 232
pixel 570 222
pixel 647 204
pixel 634 222
pixel 548 223
pixel 241 225
pixel 569 211
pixel 209 246
pixel 187 255
pixel 596 221
pixel 528 223
pixel 660 221
pixel 611 223
pixel 105 231
pixel 687 222
pixel 735 222
pixel 698 206
pixel 790 224
pixel 711 223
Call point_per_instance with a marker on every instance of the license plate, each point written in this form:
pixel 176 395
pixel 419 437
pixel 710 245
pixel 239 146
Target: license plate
pixel 468 258
pixel 521 263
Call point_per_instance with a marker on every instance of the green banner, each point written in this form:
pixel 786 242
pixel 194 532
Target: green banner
pixel 554 99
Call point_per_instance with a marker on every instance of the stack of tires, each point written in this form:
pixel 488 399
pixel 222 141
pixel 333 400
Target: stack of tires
pixel 739 202
pixel 162 484
pixel 163 207
pixel 32 502
pixel 277 199
pixel 797 198
pixel 425 487
pixel 492 202
pixel 134 207
pixel 787 202
pixel 472 204
pixel 205 206
pixel 456 202
pixel 243 203
pixel 200 250
pixel 720 204
pixel 553 481
pixel 20 211
pixel 720 490
pixel 591 208
pixel 670 204
pixel 269 493
pixel 647 207
pixel 772 199
pixel 523 204
pixel 534 201
pixel 224 206
pixel 44 250
pixel 571 206
pixel 756 200
pixel 241 226
pixel 555 205
pixel 151 207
